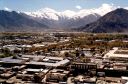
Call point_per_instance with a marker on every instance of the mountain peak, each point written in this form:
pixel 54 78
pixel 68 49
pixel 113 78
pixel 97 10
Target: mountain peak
pixel 10 21
pixel 118 15
pixel 114 21
pixel 120 11
pixel 52 14
pixel 47 10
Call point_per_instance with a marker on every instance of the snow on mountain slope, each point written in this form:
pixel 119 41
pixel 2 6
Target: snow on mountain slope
pixel 52 14
pixel 68 18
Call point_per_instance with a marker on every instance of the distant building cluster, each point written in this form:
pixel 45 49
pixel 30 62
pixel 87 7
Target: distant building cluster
pixel 52 59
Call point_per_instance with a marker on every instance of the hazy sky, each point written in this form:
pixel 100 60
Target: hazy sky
pixel 59 5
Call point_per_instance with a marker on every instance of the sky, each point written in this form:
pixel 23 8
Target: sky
pixel 58 5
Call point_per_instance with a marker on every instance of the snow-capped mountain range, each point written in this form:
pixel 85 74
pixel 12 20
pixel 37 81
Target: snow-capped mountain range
pixel 54 15
pixel 50 19
pixel 68 18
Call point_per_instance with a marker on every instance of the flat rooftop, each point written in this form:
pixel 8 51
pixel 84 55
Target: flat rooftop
pixel 10 60
pixel 36 60
pixel 62 62
pixel 112 53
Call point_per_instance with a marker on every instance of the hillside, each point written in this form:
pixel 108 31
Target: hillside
pixel 115 21
pixel 14 21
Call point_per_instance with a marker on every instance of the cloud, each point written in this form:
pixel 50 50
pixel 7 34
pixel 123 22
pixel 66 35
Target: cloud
pixel 7 9
pixel 78 7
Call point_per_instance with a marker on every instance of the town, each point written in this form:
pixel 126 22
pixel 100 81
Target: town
pixel 63 58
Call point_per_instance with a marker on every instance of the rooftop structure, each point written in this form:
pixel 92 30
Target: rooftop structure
pixel 57 75
pixel 60 63
pixel 112 53
pixel 11 60
pixel 36 60
pixel 81 79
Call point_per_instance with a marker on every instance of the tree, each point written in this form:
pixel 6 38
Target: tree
pixel 66 54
